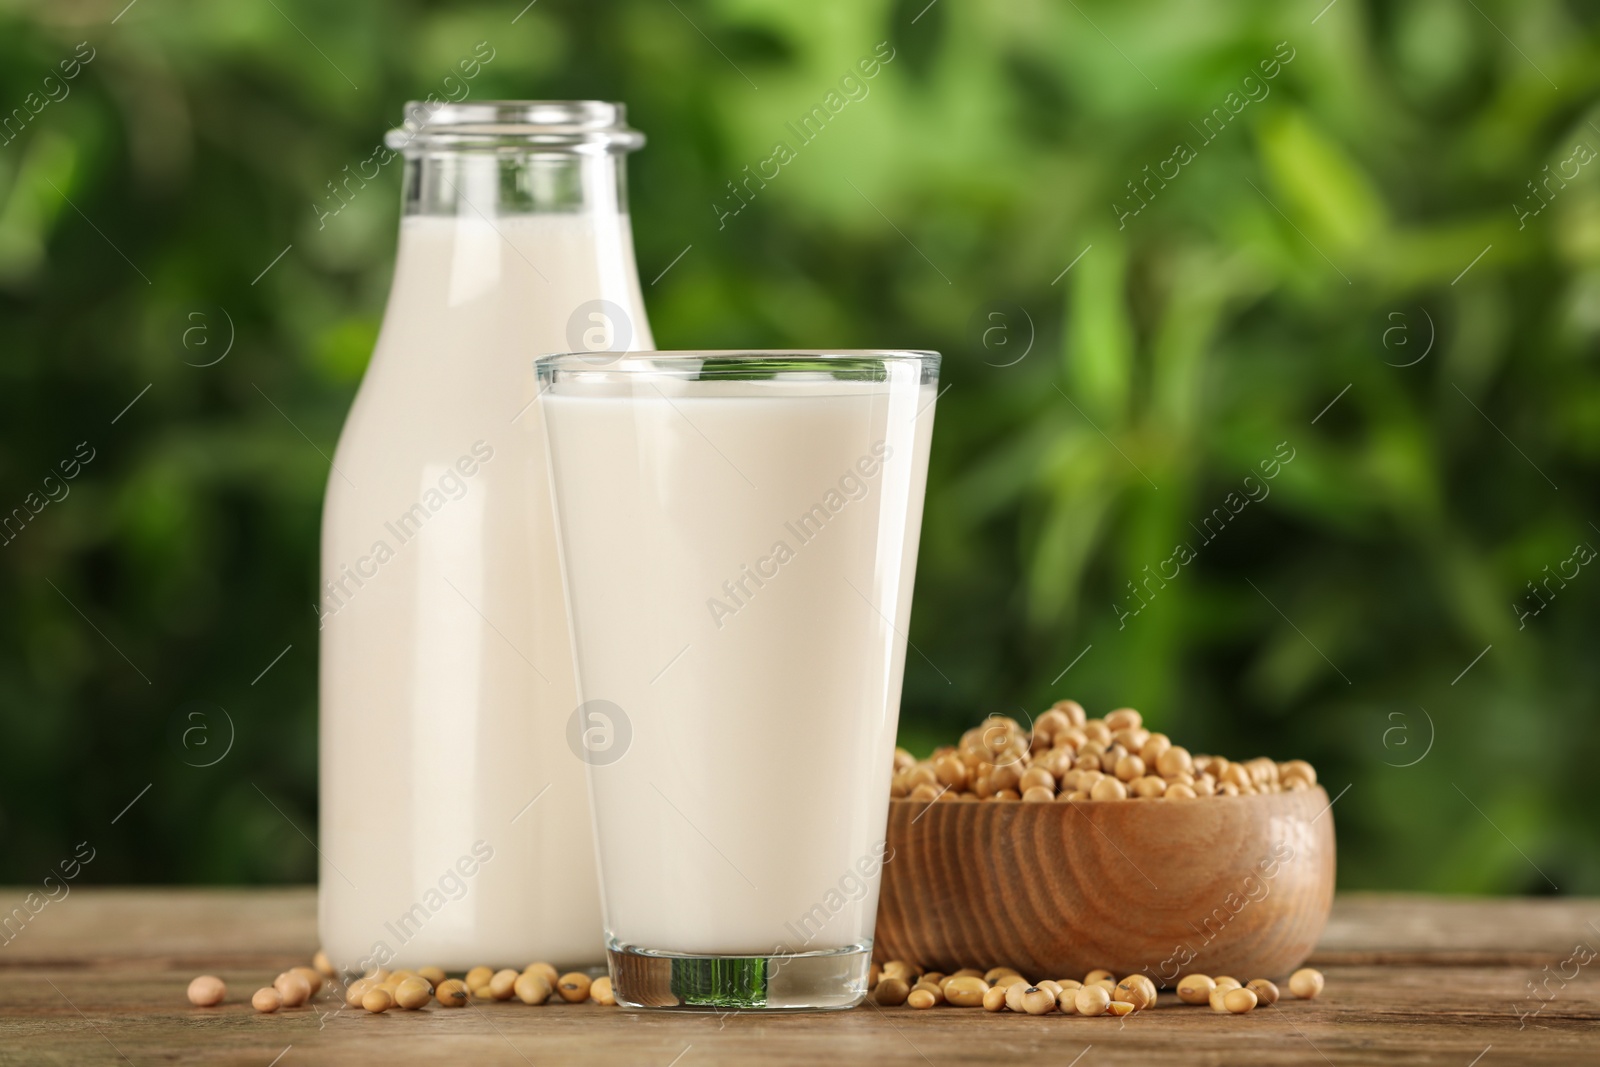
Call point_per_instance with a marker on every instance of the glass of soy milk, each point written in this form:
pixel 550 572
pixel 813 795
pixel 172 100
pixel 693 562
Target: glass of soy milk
pixel 738 536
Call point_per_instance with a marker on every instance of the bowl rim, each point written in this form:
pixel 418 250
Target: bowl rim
pixel 1144 801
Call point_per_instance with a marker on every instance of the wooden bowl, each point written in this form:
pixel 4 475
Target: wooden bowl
pixel 1219 885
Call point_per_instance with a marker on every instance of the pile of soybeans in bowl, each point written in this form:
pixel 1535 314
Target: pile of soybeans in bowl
pixel 1069 756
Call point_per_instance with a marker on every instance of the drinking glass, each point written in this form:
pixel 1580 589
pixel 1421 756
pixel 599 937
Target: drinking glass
pixel 738 536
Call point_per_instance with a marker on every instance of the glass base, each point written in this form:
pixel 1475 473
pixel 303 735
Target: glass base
pixel 827 980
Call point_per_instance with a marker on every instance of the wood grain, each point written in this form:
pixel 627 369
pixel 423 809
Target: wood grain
pixel 1222 885
pixel 100 980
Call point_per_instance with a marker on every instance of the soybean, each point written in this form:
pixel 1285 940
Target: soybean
pixel 1195 988
pixel 1298 768
pixel 1265 991
pixel 532 988
pixel 1305 983
pixel 1137 990
pixel 1239 1001
pixel 966 992
pixel 503 982
pixel 550 974
pixel 1037 1001
pixel 451 993
pixel 294 989
pixel 574 987
pixel 413 993
pixel 1173 761
pixel 1092 1000
pixel 266 1000
pixel 891 992
pixel 951 772
pixel 1072 710
pixel 1014 993
pixel 1152 748
pixel 1108 789
pixel 1037 776
pixel 1124 719
pixel 1148 786
pixel 898 969
pixel 207 991
pixel 312 976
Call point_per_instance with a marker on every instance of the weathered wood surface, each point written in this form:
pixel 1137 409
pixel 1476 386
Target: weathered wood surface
pixel 99 978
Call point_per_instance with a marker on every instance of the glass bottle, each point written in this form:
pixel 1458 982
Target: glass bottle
pixel 454 822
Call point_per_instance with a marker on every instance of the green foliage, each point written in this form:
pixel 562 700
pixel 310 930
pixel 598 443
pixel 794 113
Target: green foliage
pixel 1338 272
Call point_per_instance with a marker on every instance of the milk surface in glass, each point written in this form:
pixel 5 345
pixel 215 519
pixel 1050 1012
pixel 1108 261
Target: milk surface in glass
pixel 739 557
pixel 449 794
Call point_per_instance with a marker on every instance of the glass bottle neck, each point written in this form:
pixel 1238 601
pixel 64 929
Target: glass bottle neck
pixel 492 184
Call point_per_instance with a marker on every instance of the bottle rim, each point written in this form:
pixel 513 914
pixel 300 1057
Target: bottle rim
pixel 514 125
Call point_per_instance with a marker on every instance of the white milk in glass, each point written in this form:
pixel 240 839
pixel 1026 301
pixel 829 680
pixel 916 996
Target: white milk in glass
pixel 455 825
pixel 739 558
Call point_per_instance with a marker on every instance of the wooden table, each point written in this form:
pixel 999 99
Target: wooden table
pixel 99 977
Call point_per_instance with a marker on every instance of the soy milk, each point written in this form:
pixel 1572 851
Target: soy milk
pixel 450 799
pixel 740 558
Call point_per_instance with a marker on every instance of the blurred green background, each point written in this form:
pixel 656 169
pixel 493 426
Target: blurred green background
pixel 1349 271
